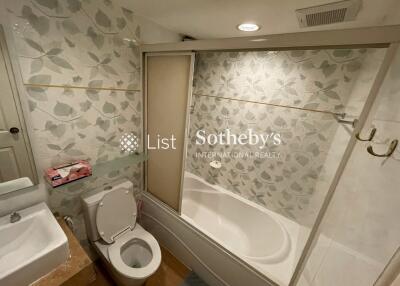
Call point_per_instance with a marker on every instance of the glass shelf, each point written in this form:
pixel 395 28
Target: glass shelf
pixel 103 169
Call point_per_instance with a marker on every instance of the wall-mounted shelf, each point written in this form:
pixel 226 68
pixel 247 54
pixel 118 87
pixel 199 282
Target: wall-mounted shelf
pixel 104 168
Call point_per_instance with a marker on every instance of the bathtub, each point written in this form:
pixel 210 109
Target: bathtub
pixel 244 228
pixel 224 238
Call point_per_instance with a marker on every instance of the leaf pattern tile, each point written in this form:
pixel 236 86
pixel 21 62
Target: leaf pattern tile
pixel 328 80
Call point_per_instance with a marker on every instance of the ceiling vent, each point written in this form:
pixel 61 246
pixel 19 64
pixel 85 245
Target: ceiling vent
pixel 335 12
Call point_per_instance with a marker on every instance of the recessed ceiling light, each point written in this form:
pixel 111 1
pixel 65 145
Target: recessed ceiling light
pixel 130 40
pixel 248 27
pixel 259 40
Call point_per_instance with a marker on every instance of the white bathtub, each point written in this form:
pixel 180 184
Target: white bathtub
pixel 242 228
pixel 262 238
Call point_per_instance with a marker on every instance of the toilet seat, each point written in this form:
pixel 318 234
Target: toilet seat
pixel 115 254
pixel 116 214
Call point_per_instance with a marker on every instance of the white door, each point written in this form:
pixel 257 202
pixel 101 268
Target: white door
pixel 14 154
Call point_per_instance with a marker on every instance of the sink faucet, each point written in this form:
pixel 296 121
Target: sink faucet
pixel 14 217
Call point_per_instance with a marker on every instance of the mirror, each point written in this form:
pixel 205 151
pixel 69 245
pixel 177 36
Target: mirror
pixel 17 169
pixel 15 185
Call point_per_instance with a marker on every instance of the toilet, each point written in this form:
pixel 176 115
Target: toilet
pixel 130 252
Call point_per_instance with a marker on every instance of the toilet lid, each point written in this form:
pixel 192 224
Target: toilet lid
pixel 116 213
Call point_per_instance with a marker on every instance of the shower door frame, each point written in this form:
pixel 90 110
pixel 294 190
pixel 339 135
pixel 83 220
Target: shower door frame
pixel 187 116
pixel 373 37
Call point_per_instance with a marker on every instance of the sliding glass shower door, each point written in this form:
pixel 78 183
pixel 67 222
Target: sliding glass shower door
pixel 268 130
pixel 361 231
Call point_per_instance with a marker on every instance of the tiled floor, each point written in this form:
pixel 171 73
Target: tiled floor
pixel 171 273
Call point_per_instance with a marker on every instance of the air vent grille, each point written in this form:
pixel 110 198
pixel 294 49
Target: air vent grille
pixel 329 13
pixel 323 18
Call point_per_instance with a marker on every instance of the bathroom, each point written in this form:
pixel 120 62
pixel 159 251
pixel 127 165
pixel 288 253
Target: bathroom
pixel 199 143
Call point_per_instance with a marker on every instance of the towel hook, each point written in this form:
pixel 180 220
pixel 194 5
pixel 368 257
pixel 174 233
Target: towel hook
pixel 389 152
pixel 371 135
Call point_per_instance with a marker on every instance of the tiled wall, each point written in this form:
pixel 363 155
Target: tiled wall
pixel 86 43
pixel 313 79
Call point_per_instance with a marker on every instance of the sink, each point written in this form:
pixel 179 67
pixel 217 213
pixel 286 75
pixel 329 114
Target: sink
pixel 31 247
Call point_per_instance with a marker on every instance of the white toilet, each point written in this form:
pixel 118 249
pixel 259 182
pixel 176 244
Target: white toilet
pixel 130 252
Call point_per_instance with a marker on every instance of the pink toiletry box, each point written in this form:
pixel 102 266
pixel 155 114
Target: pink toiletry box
pixel 65 173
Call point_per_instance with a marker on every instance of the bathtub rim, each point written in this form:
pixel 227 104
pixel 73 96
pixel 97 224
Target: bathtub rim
pixel 236 196
pixel 287 244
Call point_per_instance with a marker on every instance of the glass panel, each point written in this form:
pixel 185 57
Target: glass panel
pixel 361 230
pixel 168 82
pixel 267 132
pixel 112 168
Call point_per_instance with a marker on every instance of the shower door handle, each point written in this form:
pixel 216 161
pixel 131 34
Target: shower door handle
pixel 371 135
pixel 389 152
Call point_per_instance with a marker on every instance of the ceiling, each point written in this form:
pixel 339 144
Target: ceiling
pixel 206 19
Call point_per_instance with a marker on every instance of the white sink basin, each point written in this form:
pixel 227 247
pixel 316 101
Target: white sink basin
pixel 31 247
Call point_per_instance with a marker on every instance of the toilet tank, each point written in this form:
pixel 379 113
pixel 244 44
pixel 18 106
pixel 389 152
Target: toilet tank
pixel 90 201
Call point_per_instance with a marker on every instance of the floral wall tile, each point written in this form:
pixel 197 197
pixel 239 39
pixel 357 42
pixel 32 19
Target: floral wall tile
pixel 312 78
pixel 82 43
pixel 326 80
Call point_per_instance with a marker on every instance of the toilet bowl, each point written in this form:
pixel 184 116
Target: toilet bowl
pixel 131 253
